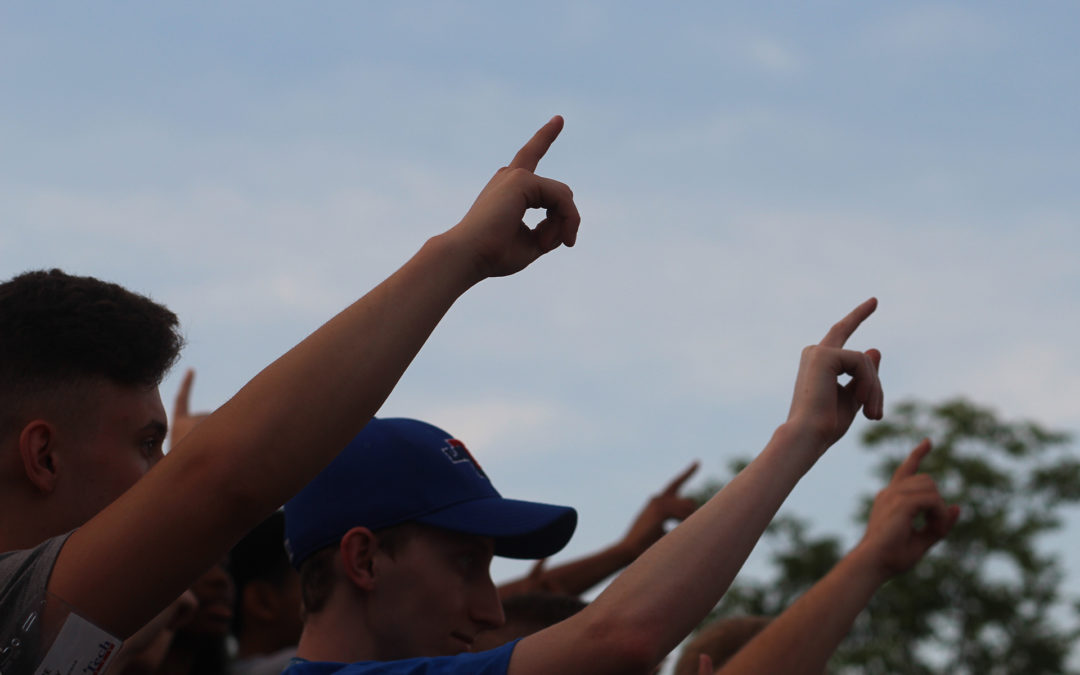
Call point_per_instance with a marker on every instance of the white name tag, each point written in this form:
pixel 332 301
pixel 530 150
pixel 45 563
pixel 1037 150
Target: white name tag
pixel 81 648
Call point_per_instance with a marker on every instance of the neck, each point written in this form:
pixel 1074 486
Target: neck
pixel 329 637
pixel 31 528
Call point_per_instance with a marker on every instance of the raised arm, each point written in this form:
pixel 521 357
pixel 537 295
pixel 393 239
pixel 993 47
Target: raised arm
pixel 802 639
pixel 126 564
pixel 657 600
pixel 577 576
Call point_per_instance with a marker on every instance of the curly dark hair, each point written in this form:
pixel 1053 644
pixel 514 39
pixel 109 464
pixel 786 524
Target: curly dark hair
pixel 57 330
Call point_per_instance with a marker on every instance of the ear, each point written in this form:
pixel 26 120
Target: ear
pixel 36 450
pixel 357 549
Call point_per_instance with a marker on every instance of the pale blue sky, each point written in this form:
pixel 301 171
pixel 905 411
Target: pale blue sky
pixel 747 172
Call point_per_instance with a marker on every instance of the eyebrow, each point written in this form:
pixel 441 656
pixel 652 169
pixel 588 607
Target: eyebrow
pixel 155 426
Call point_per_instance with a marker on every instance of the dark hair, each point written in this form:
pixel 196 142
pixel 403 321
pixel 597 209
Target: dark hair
pixel 317 579
pixel 259 556
pixel 59 330
pixel 317 576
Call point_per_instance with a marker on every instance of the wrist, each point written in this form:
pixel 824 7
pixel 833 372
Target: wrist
pixel 799 444
pixel 625 552
pixel 866 563
pixel 454 257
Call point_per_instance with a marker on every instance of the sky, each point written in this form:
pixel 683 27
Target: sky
pixel 747 172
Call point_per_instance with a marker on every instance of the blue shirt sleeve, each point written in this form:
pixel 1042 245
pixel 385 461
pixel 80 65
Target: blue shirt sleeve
pixel 492 662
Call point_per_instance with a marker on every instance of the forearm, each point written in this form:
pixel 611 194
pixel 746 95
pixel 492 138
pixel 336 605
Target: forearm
pixel 647 610
pixel 264 444
pixel 580 575
pixel 290 420
pixel 679 579
pixel 297 414
pixel 574 577
pixel 804 637
pixel 287 424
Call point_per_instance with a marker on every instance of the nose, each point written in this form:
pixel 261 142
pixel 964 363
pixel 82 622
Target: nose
pixel 183 609
pixel 214 584
pixel 486 608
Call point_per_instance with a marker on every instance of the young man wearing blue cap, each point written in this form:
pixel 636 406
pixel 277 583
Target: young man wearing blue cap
pixel 421 593
pixel 91 548
pixel 407 520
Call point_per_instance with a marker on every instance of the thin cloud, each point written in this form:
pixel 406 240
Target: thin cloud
pixel 492 426
pixel 931 30
pixel 773 56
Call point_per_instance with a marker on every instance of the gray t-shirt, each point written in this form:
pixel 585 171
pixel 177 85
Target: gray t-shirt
pixel 24 577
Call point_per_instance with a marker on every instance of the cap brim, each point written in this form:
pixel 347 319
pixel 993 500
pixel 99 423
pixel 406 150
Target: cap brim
pixel 520 529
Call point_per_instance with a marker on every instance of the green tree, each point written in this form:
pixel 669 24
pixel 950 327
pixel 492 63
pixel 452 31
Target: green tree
pixel 985 600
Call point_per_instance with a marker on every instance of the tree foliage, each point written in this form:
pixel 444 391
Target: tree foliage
pixel 985 600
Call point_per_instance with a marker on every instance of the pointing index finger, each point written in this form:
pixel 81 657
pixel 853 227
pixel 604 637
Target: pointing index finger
pixel 537 570
pixel 910 466
pixel 842 329
pixel 183 395
pixel 531 153
pixel 677 482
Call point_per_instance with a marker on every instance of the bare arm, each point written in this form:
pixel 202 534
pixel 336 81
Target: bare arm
pixel 578 576
pixel 246 459
pixel 802 639
pixel 659 598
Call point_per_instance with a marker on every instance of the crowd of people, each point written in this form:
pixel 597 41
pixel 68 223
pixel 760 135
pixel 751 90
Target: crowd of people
pixel 117 557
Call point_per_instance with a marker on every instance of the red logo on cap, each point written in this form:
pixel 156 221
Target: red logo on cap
pixel 456 451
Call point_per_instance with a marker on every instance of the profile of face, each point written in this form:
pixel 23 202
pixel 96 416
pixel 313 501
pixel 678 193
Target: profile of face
pixel 97 459
pixel 214 590
pixel 433 595
pixel 270 608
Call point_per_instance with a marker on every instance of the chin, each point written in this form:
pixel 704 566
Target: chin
pixel 458 646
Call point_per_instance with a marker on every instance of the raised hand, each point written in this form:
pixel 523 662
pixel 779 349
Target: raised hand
pixel 891 539
pixel 821 406
pixel 183 420
pixel 667 505
pixel 493 228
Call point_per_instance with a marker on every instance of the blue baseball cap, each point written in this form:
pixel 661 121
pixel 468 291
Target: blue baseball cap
pixel 399 470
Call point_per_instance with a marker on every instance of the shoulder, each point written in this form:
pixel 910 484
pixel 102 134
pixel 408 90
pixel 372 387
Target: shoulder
pixel 14 562
pixel 25 574
pixel 492 662
pixel 24 578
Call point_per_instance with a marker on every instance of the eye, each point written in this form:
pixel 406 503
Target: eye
pixel 150 448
